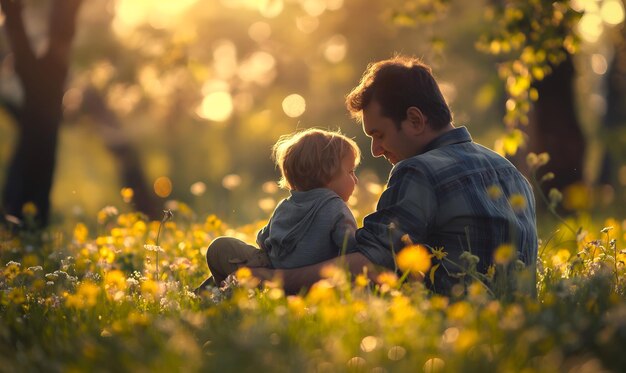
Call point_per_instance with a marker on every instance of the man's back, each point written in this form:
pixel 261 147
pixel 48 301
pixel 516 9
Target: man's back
pixel 456 195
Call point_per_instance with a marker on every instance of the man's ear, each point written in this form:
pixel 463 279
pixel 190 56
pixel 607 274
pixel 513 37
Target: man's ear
pixel 418 121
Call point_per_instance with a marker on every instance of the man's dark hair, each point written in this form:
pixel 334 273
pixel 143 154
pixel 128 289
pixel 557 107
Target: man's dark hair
pixel 397 84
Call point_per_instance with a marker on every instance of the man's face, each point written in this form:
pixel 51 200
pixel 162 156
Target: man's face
pixel 387 140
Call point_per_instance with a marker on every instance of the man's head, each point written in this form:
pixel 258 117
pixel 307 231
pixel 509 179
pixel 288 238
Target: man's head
pixel 399 93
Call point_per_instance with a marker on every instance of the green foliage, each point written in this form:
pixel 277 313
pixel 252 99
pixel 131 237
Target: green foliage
pixel 531 37
pixel 84 300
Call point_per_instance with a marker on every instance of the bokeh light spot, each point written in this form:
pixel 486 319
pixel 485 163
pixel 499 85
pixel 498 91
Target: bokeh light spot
pixel 198 188
pixel 336 49
pixel 590 27
pixel 231 181
pixel 267 204
pixel 163 186
pixel 612 12
pixel 599 64
pixel 294 105
pixel 270 8
pixel 307 24
pixel 216 106
pixel 313 8
pixel 259 31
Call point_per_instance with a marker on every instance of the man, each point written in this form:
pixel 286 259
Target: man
pixel 444 190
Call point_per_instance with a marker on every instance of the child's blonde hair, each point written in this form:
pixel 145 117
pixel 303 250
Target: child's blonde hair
pixel 311 158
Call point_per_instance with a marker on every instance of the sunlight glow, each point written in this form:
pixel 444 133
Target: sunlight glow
pixel 590 27
pixel 267 204
pixel 267 8
pixel 314 8
pixel 294 105
pixel 336 49
pixel 259 31
pixel 225 59
pixel 334 4
pixel 307 24
pixel 270 187
pixel 129 14
pixel 599 64
pixel 270 8
pixel 216 106
pixel 258 68
pixel 612 12
pixel 449 91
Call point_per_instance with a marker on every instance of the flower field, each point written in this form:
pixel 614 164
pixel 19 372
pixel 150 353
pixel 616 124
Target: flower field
pixel 94 299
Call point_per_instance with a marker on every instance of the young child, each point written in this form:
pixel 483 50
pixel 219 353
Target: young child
pixel 314 223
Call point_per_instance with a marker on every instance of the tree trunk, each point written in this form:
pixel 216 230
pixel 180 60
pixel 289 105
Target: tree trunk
pixel 129 164
pixel 31 169
pixel 554 128
pixel 615 116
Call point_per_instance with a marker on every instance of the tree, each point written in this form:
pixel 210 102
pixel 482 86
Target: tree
pixel 534 42
pixel 38 116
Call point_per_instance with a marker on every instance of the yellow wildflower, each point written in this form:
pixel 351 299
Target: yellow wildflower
pixel 438 253
pixel 80 233
pixel 415 259
pixel 16 296
pixel 86 296
pixel 127 194
pixel 504 254
pixel 439 302
pixel 140 228
pixel 296 305
pixel 467 338
pixel 561 257
pixel 361 281
pixel 388 278
pixel 29 209
pixel 577 197
pixel 243 273
pixel 494 192
pixel 321 292
pixel 115 280
pixel 212 223
pixel 459 311
pixel 107 255
pixel 12 270
pixel 518 202
pixel 532 160
pixel 543 159
pixel 150 289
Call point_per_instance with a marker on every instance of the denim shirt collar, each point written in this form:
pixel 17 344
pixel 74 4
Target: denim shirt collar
pixel 455 136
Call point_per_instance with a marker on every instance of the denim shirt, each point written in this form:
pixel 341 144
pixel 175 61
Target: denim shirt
pixel 456 195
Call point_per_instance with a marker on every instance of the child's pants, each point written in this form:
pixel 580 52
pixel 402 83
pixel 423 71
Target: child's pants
pixel 226 254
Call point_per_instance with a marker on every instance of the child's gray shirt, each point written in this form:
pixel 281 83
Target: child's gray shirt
pixel 307 228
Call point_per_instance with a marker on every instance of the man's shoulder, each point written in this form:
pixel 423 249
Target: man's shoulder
pixel 452 162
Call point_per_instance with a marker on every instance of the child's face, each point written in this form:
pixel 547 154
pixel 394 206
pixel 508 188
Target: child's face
pixel 343 183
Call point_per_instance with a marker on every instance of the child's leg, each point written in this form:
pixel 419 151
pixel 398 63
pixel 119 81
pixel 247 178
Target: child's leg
pixel 296 279
pixel 226 254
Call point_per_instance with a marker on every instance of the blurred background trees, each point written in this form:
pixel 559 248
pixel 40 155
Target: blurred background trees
pixel 182 100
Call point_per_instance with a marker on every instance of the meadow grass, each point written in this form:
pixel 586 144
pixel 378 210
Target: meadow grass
pixel 92 299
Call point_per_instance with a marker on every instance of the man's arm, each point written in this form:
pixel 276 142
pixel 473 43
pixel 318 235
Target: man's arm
pixel 407 206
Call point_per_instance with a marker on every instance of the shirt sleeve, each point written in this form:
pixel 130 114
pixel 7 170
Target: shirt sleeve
pixel 407 206
pixel 263 234
pixel 344 229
